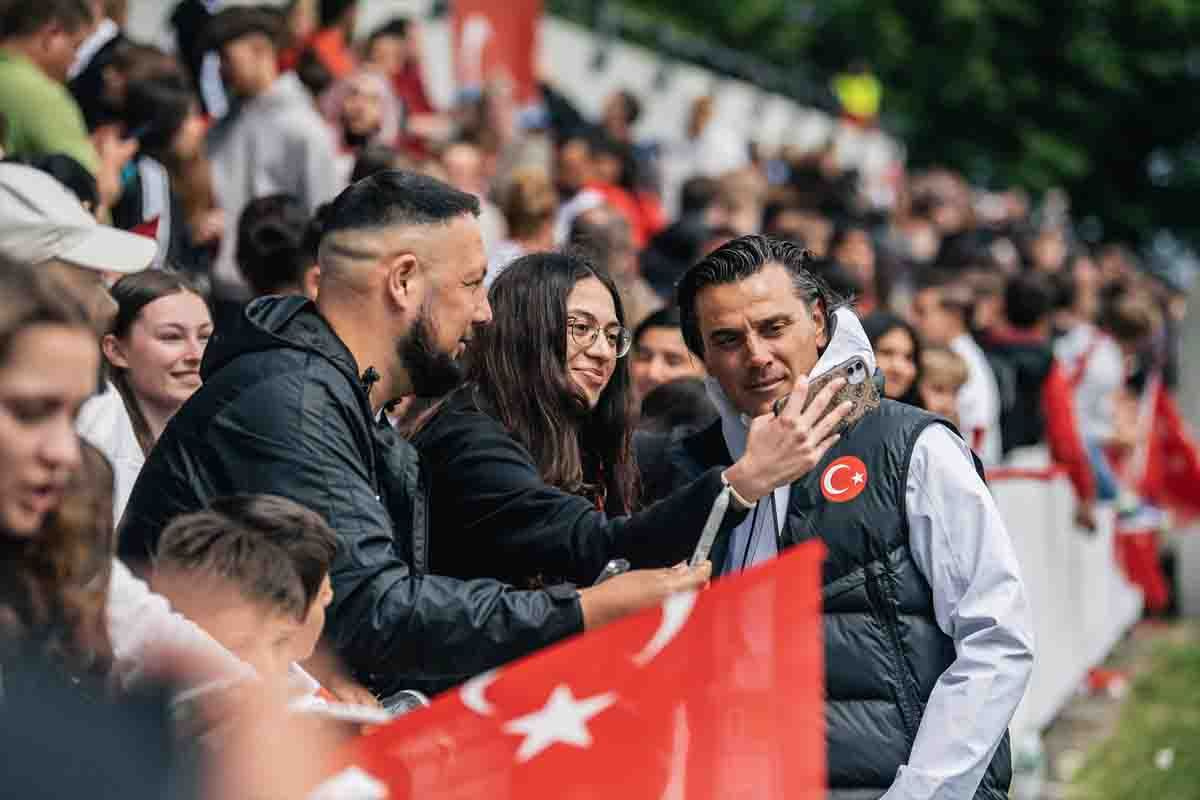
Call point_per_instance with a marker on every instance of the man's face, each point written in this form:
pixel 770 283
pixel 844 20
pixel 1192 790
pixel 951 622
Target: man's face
pixel 241 63
pixel 57 49
pixel 574 164
pixel 759 337
pixel 362 110
pixel 936 324
pixel 388 54
pixel 660 356
pixel 453 264
pixel 464 168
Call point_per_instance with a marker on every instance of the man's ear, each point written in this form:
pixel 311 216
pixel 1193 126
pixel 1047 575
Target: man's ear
pixel 401 272
pixel 310 281
pixel 820 320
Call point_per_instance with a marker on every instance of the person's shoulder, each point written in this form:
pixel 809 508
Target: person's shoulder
pixel 460 415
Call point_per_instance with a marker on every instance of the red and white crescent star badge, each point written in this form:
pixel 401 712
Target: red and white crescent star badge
pixel 844 479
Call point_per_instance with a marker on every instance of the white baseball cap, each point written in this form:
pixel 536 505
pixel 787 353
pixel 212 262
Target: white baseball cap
pixel 41 220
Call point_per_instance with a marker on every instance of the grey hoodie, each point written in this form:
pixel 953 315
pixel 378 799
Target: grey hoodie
pixel 275 143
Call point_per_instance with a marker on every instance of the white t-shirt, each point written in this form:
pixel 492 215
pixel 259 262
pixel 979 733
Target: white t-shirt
pixel 979 402
pixel 104 423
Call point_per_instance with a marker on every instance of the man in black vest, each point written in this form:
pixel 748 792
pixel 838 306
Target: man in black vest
pixel 928 642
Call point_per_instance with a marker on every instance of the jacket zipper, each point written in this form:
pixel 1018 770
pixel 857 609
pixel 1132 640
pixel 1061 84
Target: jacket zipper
pixel 903 699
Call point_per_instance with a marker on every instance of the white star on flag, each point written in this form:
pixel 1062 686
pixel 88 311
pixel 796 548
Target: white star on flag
pixel 858 477
pixel 562 719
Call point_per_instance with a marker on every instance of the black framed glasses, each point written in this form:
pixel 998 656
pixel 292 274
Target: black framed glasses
pixel 585 334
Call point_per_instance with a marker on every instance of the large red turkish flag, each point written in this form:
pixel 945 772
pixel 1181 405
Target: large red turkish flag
pixel 716 695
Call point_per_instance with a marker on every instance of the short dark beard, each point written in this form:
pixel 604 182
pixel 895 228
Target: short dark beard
pixel 432 374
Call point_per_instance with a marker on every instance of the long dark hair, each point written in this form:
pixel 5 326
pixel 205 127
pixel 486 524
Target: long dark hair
pixel 133 293
pixel 880 324
pixel 518 369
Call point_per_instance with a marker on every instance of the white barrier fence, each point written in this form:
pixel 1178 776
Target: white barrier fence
pixel 1082 603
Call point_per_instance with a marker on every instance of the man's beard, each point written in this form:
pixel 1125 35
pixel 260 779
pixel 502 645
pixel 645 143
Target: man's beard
pixel 432 374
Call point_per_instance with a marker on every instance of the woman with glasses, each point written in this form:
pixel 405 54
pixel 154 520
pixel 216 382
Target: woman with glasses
pixel 530 463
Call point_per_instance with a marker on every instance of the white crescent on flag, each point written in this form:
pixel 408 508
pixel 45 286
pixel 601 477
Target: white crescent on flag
pixel 827 481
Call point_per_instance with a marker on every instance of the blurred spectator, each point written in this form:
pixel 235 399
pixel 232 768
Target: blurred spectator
pixel 50 359
pixel 603 236
pixel 253 571
pixel 331 43
pixel 708 148
pixel 273 142
pixel 741 198
pixel 987 308
pixel 41 223
pixel 72 175
pixel 394 48
pixel 362 111
pixel 376 158
pixel 859 93
pixel 1092 360
pixel 530 205
pixel 302 18
pixel 171 198
pixel 809 229
pixel 463 162
pixel 897 353
pixel 87 80
pixel 660 355
pixel 943 375
pixel 680 404
pixel 671 252
pixel 941 312
pixel 190 21
pixel 1036 395
pixel 853 249
pixel 621 112
pixel 56 540
pixel 154 348
pixel 38 42
pixel 272 252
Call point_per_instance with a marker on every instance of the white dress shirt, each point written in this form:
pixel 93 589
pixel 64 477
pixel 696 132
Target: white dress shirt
pixel 979 401
pixel 960 545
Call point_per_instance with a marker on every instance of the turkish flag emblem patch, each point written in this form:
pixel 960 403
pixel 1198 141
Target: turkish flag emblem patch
pixel 844 479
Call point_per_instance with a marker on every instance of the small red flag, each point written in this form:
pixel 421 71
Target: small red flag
pixel 718 694
pixel 1171 475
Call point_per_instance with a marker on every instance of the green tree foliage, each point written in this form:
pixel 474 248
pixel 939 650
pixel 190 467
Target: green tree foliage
pixel 1101 97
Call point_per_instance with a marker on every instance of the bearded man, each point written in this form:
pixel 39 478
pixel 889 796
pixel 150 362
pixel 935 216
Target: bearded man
pixel 928 639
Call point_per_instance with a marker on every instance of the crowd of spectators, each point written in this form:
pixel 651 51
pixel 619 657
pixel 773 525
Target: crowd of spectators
pixel 147 196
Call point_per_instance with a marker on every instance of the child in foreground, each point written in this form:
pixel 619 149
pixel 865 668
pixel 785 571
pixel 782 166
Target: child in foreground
pixel 252 571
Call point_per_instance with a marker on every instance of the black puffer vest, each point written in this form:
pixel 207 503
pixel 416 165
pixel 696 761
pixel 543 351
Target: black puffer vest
pixel 884 650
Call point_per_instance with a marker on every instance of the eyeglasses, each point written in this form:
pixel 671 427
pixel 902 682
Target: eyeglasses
pixel 586 333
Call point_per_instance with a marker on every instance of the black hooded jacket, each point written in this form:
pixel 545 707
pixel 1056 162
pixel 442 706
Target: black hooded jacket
pixel 283 411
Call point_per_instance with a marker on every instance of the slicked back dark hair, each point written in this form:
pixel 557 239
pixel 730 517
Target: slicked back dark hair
pixel 25 17
pixel 276 551
pixel 397 197
pixel 736 261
